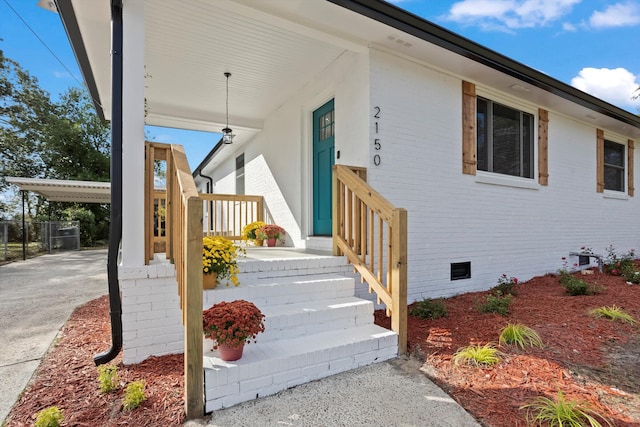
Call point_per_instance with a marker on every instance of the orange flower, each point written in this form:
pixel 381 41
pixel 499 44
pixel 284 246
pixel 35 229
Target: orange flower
pixel 232 323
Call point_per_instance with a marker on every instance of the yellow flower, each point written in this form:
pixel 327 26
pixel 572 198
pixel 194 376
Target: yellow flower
pixel 219 255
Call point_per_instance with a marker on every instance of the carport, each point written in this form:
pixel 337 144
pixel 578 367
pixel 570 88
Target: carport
pixel 59 190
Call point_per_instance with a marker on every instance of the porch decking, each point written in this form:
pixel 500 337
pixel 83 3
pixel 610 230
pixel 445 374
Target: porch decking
pixel 315 326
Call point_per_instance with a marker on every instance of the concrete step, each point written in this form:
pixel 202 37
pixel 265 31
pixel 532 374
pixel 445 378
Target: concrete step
pixel 269 367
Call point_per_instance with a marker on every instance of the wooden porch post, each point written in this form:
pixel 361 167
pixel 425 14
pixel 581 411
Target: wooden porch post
pixel 399 277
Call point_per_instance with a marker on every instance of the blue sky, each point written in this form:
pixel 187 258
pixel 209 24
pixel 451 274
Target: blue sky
pixel 593 45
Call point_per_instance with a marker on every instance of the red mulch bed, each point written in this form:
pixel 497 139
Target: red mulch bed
pixel 589 359
pixel 593 360
pixel 68 379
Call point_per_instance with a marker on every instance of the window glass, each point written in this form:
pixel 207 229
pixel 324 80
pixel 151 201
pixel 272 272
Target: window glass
pixel 613 166
pixel 481 143
pixel 504 139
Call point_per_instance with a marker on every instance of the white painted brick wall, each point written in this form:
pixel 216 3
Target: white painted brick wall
pixel 453 218
pixel 151 317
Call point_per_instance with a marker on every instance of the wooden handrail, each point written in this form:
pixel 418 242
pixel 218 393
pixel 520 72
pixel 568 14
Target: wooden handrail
pixel 184 249
pixel 364 223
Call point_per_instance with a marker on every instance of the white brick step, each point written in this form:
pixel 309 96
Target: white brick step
pixel 269 367
pixel 310 317
pixel 254 269
pixel 289 290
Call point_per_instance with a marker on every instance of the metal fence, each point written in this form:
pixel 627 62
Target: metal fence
pixel 37 238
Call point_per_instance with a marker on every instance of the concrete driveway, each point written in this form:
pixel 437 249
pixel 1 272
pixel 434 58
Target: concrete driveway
pixel 37 296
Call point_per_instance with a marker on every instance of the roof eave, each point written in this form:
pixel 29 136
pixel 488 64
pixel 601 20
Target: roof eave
pixel 409 23
pixel 71 27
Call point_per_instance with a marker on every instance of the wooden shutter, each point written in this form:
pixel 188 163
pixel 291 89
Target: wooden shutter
pixel 630 186
pixel 543 147
pixel 600 161
pixel 469 128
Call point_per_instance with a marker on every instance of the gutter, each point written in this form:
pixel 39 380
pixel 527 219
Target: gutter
pixel 198 170
pixel 115 226
pixel 409 23
pixel 70 24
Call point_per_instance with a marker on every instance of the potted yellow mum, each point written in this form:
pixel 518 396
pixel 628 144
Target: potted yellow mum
pixel 219 261
pixel 249 232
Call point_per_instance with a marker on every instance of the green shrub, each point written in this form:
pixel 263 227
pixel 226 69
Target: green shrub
pixel 576 286
pixel 495 304
pixel 562 413
pixel 506 286
pixel 520 335
pixel 616 264
pixel 612 313
pixel 429 309
pixel 631 276
pixel 133 395
pixel 477 355
pixel 108 378
pixel 49 417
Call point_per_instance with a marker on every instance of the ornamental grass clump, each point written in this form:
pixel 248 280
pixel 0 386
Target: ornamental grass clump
pixel 219 255
pixel 477 355
pixel 563 413
pixel 232 323
pixel 613 313
pixel 520 335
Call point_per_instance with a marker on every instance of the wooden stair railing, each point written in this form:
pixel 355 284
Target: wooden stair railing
pixel 184 249
pixel 372 234
pixel 227 214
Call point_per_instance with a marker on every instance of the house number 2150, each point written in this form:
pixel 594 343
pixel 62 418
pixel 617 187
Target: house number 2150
pixel 377 144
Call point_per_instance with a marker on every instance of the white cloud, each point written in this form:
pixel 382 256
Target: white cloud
pixel 616 86
pixel 617 15
pixel 509 14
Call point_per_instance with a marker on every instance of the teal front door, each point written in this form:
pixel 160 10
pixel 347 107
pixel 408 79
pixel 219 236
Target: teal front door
pixel 323 160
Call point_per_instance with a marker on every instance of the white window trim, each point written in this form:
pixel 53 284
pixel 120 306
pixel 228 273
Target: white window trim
pixel 484 177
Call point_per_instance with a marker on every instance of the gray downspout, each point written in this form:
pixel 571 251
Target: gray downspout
pixel 115 215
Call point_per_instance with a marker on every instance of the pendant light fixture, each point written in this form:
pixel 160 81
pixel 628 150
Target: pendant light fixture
pixel 227 133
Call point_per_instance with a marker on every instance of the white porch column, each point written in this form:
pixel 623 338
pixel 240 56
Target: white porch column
pixel 133 133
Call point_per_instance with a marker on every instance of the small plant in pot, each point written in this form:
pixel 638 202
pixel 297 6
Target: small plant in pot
pixel 249 232
pixel 219 261
pixel 271 233
pixel 231 325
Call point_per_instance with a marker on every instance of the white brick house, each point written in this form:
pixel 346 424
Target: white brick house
pixel 409 101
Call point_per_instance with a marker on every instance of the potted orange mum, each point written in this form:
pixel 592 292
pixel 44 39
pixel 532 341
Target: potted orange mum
pixel 231 325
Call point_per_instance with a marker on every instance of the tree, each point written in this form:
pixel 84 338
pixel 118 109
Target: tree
pixel 41 138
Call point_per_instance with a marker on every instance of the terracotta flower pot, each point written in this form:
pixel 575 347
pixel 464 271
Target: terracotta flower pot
pixel 271 242
pixel 209 281
pixel 229 354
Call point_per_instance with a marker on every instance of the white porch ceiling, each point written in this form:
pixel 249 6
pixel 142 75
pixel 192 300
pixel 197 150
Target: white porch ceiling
pixel 272 48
